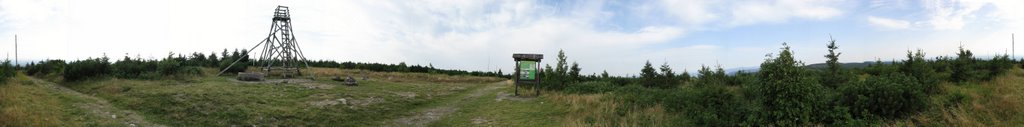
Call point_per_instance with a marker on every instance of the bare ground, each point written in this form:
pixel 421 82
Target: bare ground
pixel 425 117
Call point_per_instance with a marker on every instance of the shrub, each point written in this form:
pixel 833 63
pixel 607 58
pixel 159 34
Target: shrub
pixel 83 69
pixel 151 69
pixel 621 81
pixel 189 71
pixel 649 76
pixel 667 78
pixel 134 69
pixel 788 94
pixel 881 68
pixel 634 96
pixel 710 77
pixel 561 75
pixel 238 67
pixel 998 65
pixel 46 67
pixel 712 105
pixel 964 67
pixel 6 71
pixel 168 67
pixel 888 96
pixel 590 87
pixel 917 67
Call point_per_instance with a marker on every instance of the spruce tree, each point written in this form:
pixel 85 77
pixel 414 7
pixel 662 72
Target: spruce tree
pixel 833 73
pixel 648 75
pixel 574 72
pixel 963 67
pixel 604 74
pixel 685 77
pixel 667 78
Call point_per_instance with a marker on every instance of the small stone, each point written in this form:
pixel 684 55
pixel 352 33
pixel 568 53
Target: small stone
pixel 343 101
pixel 113 116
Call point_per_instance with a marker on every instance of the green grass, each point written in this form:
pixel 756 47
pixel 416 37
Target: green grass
pixel 24 102
pixel 218 101
pixel 998 102
pixel 486 110
pixel 388 97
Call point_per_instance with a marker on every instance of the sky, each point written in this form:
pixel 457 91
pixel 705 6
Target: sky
pixel 617 36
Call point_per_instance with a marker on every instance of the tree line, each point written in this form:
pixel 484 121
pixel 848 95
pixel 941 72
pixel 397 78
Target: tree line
pixel 786 92
pixel 183 65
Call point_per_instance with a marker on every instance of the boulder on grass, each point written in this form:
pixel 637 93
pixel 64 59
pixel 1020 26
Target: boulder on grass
pixel 350 81
pixel 347 81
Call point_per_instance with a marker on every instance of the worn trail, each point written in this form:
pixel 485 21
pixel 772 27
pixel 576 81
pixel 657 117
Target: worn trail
pixel 99 107
pixel 424 117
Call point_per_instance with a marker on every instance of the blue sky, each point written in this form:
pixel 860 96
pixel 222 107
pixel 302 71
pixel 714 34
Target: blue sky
pixel 617 36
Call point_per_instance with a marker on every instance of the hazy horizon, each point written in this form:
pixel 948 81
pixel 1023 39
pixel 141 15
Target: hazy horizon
pixel 617 36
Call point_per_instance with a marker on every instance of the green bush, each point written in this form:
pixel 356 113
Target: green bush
pixel 45 68
pixel 649 77
pixel 635 96
pixel 168 67
pixel 6 71
pixel 88 68
pixel 888 96
pixel 998 65
pixel 712 106
pixel 789 95
pixel 238 67
pixel 917 67
pixel 707 77
pixel 134 69
pixel 964 67
pixel 590 87
pixel 151 69
pixel 955 98
pixel 881 68
pixel 189 71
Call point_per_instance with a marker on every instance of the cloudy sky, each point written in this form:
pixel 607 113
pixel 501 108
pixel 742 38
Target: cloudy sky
pixel 617 36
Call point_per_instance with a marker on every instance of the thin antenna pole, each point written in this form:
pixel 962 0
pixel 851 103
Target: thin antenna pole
pixel 15 49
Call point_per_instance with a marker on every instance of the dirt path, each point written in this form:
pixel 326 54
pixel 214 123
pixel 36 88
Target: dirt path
pixel 431 114
pixel 100 107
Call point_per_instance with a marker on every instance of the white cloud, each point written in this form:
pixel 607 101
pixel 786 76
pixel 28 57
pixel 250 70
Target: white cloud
pixel 690 11
pixel 470 34
pixel 888 23
pixel 1008 11
pixel 739 13
pixel 448 34
pixel 778 11
pixel 952 14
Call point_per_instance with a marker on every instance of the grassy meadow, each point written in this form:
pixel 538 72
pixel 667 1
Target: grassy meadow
pixel 406 99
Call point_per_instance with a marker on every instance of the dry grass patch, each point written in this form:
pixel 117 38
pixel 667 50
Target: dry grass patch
pixel 589 110
pixel 998 102
pixel 401 76
pixel 25 102
pixel 26 105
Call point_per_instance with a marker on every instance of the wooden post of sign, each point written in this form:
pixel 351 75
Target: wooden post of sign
pixel 536 86
pixel 515 78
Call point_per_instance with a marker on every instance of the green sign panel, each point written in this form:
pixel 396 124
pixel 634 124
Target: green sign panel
pixel 527 70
